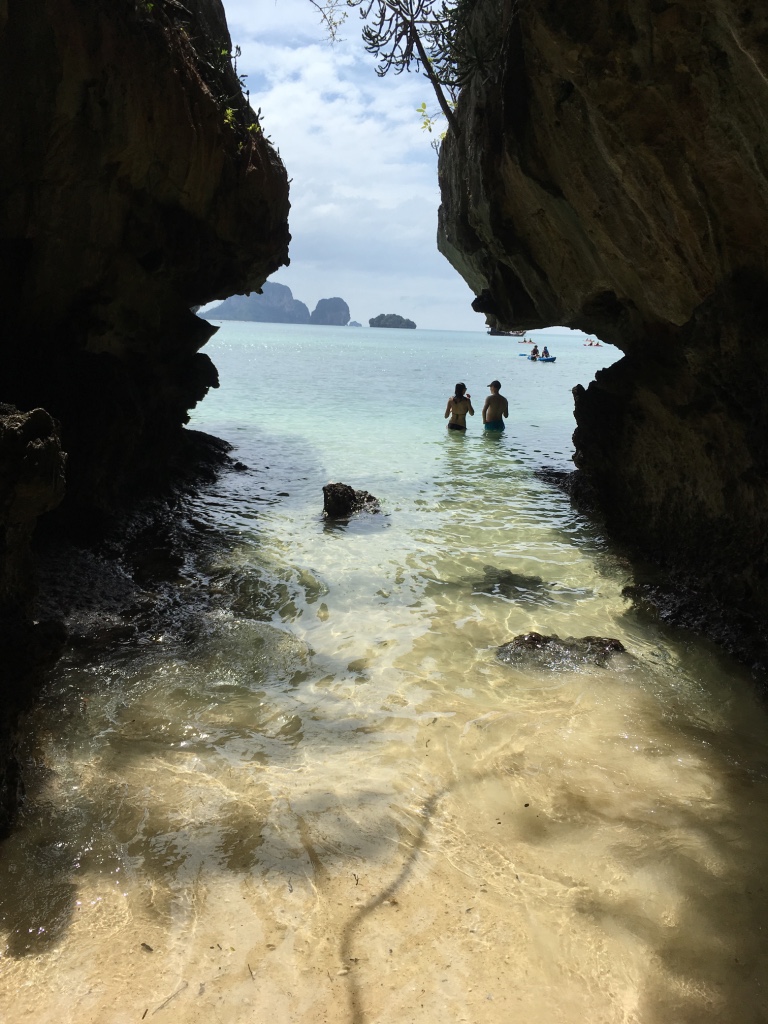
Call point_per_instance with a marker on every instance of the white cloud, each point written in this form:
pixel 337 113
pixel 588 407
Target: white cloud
pixel 364 192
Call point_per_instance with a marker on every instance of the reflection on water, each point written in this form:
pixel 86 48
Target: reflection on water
pixel 329 800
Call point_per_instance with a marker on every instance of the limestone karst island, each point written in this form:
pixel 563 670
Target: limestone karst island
pixel 275 304
pixel 383 676
pixel 391 320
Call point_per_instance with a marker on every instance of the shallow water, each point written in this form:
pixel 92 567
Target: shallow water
pixel 319 796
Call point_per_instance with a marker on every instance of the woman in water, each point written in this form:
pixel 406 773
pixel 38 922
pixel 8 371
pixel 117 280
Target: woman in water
pixel 457 408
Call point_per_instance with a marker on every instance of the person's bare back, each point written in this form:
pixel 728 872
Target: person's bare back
pixel 496 408
pixel 457 408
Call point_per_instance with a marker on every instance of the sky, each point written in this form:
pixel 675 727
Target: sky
pixel 364 193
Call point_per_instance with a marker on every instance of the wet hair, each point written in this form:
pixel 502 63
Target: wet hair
pixel 459 391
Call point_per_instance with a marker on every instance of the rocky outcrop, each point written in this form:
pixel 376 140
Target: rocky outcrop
pixel 391 320
pixel 135 183
pixel 610 174
pixel 340 501
pixel 534 650
pixel 332 312
pixel 135 186
pixel 274 305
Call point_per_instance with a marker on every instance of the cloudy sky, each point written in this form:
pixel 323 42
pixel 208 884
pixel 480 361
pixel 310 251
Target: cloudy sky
pixel 364 193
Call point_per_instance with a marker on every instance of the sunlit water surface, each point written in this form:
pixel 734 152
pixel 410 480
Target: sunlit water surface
pixel 332 802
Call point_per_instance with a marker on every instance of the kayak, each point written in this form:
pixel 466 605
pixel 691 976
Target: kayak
pixel 540 359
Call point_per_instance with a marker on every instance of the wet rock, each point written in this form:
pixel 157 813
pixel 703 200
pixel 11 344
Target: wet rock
pixel 535 649
pixel 340 501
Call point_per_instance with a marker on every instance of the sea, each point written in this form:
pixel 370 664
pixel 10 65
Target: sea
pixel 327 798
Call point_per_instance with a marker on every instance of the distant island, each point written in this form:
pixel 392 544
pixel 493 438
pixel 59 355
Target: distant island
pixel 332 312
pixel 276 305
pixel 391 320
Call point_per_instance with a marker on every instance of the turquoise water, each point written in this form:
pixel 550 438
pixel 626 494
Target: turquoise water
pixel 322 797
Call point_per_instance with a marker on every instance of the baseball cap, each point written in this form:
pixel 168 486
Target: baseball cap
pixel 494 384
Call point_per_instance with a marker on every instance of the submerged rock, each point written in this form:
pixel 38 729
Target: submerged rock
pixel 512 585
pixel 340 501
pixel 553 652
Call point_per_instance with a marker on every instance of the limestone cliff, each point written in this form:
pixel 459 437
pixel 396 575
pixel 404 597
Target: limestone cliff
pixel 611 174
pixel 275 305
pixel 135 183
pixel 333 312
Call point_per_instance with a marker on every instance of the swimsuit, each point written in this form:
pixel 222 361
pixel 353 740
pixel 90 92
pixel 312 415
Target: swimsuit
pixel 456 426
pixel 494 424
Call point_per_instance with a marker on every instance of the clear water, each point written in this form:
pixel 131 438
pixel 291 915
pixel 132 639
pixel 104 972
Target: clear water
pixel 330 801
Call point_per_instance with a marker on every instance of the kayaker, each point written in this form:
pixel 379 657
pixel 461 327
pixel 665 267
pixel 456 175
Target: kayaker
pixel 545 353
pixel 535 352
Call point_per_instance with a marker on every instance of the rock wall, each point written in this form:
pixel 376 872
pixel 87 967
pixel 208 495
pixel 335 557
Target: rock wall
pixel 611 174
pixel 135 183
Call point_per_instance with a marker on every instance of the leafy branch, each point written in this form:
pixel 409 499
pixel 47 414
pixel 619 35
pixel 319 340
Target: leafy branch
pixel 434 37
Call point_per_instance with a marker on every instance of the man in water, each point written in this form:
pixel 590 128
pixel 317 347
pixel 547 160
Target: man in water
pixel 496 406
pixel 457 408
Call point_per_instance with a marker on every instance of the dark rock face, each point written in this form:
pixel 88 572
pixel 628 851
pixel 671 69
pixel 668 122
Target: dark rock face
pixel 144 188
pixel 275 305
pixel 31 482
pixel 391 320
pixel 608 175
pixel 534 649
pixel 135 186
pixel 331 312
pixel 340 501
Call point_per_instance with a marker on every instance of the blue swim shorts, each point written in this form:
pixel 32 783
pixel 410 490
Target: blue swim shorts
pixel 494 425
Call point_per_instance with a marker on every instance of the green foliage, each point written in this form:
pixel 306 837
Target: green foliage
pixel 401 34
pixel 434 37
